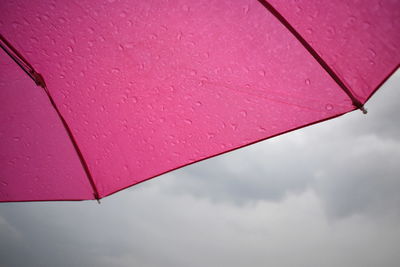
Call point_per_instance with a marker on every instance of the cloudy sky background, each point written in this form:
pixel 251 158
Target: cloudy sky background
pixel 327 195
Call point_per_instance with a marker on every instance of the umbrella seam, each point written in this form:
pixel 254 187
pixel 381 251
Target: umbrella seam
pixel 357 103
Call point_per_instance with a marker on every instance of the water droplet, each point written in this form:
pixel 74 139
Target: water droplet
pixel 331 30
pixel 350 21
pixel 366 25
pixel 115 70
pixel 187 121
pixel 307 81
pixel 328 107
pixel 246 9
pixel 372 52
pixel 243 113
pixel 261 72
pixel 130 23
pixel 91 30
pixel 262 129
pixel 171 88
pixel 186 8
pixel 34 39
pixel 190 44
pixel 203 80
pixel 210 135
pixel 198 103
pixel 17 138
pixel 179 36
pixel 16 24
pixel 62 20
pixel 4 183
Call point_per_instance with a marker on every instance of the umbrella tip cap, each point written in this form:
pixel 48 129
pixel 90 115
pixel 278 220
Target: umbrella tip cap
pixel 96 196
pixel 364 110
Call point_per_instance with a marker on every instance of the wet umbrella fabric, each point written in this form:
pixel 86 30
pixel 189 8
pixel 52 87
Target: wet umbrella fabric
pixel 146 87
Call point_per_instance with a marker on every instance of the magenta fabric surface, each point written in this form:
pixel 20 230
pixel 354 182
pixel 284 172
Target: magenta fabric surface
pixel 358 39
pixel 150 86
pixel 37 159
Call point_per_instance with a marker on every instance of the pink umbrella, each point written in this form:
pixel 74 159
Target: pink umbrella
pixel 129 90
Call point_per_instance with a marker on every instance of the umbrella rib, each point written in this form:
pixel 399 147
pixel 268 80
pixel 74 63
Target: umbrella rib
pixel 357 103
pixel 75 144
pixel 39 80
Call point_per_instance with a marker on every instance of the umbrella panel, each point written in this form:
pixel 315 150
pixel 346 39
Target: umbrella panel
pixel 358 39
pixel 38 161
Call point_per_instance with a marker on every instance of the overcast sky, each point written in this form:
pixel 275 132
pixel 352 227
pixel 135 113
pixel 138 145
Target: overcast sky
pixel 326 195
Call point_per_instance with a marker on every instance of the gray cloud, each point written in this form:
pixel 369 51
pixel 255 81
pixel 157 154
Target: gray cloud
pixel 146 227
pixel 249 174
pixel 363 179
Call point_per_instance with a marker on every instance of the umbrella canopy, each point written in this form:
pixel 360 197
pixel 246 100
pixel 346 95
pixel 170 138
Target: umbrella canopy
pixel 134 89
